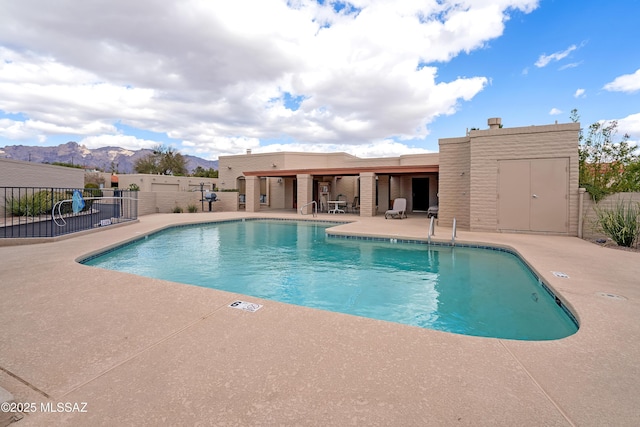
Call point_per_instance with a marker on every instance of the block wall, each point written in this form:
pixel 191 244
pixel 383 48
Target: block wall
pixel 305 192
pixel 590 230
pixel 147 182
pixel 15 173
pixel 367 194
pixel 150 202
pixel 454 182
pixel 487 147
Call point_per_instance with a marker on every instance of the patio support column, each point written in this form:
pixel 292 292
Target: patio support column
pixel 305 192
pixel 252 193
pixel 368 194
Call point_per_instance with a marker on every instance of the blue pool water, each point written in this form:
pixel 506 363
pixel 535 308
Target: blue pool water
pixel 456 289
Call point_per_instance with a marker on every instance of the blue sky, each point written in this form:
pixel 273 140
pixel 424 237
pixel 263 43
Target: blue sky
pixel 370 77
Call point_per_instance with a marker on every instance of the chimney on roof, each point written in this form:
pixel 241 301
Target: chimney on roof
pixel 494 123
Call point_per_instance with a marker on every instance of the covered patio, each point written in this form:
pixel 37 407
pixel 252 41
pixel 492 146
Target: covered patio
pixel 372 187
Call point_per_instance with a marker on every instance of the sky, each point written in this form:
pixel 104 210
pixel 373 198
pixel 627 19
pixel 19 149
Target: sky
pixel 373 78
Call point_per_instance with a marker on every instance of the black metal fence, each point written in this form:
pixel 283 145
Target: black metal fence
pixel 50 212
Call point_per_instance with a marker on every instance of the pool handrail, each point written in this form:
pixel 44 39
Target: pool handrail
pixel 453 233
pixel 432 231
pixel 315 208
pixel 58 207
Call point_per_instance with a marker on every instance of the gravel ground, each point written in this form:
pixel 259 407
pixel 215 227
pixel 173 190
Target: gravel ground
pixel 610 244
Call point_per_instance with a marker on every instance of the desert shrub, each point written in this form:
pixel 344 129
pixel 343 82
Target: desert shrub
pixel 192 208
pixel 177 209
pixel 620 222
pixel 134 187
pixel 92 190
pixel 36 203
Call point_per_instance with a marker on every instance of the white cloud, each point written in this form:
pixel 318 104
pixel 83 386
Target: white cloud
pixel 17 130
pixel 555 112
pixel 214 75
pixel 580 93
pixel 630 125
pixel 544 60
pixel 626 83
pixel 383 148
pixel 571 65
pixel 124 141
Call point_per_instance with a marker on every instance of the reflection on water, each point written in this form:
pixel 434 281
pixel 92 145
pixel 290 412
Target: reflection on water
pixel 462 290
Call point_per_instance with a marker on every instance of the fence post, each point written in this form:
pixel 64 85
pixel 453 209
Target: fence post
pixel 581 192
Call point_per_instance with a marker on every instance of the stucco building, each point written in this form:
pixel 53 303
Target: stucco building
pixel 522 179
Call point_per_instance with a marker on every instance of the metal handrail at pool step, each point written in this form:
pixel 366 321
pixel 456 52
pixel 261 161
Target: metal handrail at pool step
pixel 315 208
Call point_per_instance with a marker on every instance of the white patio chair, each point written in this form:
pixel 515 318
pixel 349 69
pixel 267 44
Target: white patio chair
pixel 399 209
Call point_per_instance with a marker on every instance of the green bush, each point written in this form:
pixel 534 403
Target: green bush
pixel 92 190
pixel 177 209
pixel 621 222
pixel 192 208
pixel 36 203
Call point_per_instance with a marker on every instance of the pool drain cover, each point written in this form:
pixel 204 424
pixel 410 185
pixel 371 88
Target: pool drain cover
pixel 610 296
pixel 246 306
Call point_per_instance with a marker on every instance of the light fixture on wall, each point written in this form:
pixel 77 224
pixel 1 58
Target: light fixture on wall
pixel 228 167
pixel 273 165
pixel 279 180
pixel 461 173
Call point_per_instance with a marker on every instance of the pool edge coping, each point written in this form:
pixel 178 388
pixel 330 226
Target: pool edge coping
pixel 559 299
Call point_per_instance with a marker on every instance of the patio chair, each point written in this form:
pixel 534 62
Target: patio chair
pixel 399 209
pixel 324 206
pixel 355 205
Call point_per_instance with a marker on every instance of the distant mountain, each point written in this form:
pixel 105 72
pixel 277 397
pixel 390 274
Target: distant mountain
pixel 104 158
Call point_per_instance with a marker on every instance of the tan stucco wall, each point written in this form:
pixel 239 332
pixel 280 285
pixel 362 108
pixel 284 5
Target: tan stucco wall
pixel 14 173
pixel 454 182
pixel 305 193
pixel 232 167
pixel 531 142
pixel 367 193
pixel 150 202
pixel 148 182
pixel 469 170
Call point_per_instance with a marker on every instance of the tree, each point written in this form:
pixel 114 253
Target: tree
pixel 163 160
pixel 205 173
pixel 67 165
pixel 606 166
pixel 146 164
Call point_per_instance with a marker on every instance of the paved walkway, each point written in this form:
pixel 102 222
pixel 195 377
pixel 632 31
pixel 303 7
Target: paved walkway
pixel 142 351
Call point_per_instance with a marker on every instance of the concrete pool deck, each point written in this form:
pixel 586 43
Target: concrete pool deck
pixel 142 351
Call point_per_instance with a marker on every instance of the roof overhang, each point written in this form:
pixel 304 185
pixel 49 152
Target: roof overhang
pixel 380 170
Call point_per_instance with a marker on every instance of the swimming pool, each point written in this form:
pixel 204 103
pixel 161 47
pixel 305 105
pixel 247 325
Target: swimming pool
pixel 462 290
